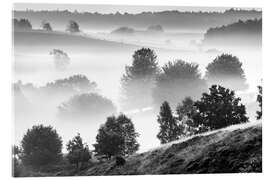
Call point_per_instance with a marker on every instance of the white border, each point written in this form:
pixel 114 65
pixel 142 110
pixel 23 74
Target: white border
pixel 6 75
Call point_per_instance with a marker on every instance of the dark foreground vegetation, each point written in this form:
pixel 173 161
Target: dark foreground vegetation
pixel 236 150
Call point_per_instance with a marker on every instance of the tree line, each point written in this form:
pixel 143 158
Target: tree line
pixel 25 24
pixel 145 83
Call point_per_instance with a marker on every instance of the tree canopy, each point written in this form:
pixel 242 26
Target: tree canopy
pixel 73 27
pixel 138 80
pixel 46 26
pixel 41 145
pixel 177 80
pixel 78 152
pixel 86 105
pixel 169 129
pixel 22 24
pixel 61 59
pixel 226 70
pixel 218 109
pixel 116 137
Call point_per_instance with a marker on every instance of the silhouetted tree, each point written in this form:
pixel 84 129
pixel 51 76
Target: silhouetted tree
pixel 22 24
pixel 41 145
pixel 185 111
pixel 259 100
pixel 177 80
pixel 169 129
pixel 78 152
pixel 226 70
pixel 218 109
pixel 116 137
pixel 61 59
pixel 72 27
pixel 46 26
pixel 86 105
pixel 138 80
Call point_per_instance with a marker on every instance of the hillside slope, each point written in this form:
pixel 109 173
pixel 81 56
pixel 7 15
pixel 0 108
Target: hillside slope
pixel 231 150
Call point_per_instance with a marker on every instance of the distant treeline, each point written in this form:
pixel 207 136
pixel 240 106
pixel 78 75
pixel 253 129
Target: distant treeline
pixel 249 29
pixel 167 19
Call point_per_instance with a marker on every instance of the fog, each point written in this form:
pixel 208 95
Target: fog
pixel 102 57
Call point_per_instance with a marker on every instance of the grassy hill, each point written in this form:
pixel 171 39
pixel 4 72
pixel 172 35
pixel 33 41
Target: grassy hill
pixel 235 149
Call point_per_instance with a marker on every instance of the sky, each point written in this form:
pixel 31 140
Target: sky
pixel 105 9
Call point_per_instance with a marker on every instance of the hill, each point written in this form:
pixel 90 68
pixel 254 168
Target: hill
pixel 244 33
pixel 235 149
pixel 36 39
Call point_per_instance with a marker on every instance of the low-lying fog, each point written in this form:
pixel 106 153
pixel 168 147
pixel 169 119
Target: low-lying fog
pixel 34 64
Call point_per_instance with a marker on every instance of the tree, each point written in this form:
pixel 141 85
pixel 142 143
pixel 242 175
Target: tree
pixel 155 29
pixel 226 70
pixel 46 26
pixel 218 109
pixel 41 145
pixel 123 31
pixel 259 100
pixel 75 84
pixel 116 137
pixel 73 27
pixel 61 59
pixel 86 105
pixel 185 111
pixel 78 152
pixel 16 165
pixel 139 78
pixel 22 24
pixel 169 129
pixel 177 80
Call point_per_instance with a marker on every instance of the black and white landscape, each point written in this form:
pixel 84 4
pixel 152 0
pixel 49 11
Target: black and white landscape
pixel 116 90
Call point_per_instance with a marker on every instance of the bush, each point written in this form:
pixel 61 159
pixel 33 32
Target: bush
pixel 116 137
pixel 218 109
pixel 41 145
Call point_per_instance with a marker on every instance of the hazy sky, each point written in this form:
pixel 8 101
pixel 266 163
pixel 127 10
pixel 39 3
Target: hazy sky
pixel 111 8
